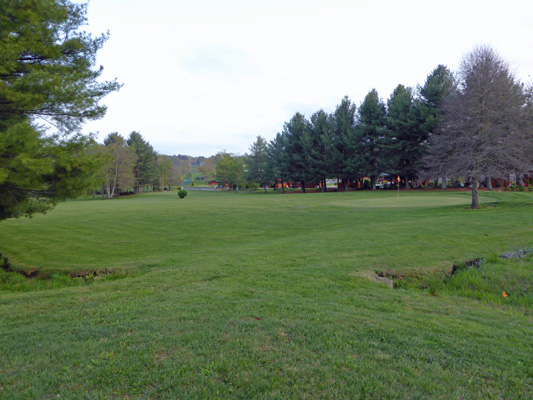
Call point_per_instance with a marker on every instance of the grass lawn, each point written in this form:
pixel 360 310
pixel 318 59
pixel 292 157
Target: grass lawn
pixel 238 295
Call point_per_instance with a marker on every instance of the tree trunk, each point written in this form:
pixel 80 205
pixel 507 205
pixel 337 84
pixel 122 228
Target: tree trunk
pixel 489 184
pixel 302 186
pixel 443 183
pixel 265 188
pixel 282 187
pixel 373 180
pixel 406 183
pixel 436 183
pixel 475 200
pixel 345 183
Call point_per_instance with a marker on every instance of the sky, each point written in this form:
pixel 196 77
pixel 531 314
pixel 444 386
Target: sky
pixel 203 76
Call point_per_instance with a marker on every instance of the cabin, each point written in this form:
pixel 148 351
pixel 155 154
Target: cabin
pixel 214 183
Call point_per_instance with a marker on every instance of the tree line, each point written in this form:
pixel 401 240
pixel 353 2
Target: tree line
pixel 132 165
pixel 475 124
pixel 375 138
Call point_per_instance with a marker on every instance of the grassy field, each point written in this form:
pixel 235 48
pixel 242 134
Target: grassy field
pixel 226 295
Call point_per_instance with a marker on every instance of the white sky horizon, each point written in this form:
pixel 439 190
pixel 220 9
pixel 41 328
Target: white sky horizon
pixel 211 75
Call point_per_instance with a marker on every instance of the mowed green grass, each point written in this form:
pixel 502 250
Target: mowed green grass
pixel 346 229
pixel 264 296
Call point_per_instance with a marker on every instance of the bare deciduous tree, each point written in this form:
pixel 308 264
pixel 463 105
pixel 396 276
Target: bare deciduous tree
pixel 486 127
pixel 118 172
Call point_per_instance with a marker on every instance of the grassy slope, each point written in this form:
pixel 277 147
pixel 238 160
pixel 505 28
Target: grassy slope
pixel 263 296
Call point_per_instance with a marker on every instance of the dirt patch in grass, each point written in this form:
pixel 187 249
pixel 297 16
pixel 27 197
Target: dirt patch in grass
pixel 95 273
pixel 503 280
pixel 19 279
pixel 409 277
pixel 36 273
pixel 384 280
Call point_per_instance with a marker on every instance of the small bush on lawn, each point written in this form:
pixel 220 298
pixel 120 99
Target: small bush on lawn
pixel 182 193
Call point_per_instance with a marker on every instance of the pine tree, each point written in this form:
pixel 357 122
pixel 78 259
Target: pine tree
pixel 438 86
pixel 315 150
pixel 342 142
pixel 371 131
pixel 278 160
pixel 404 143
pixel 46 77
pixel 146 169
pixel 257 163
pixel 294 133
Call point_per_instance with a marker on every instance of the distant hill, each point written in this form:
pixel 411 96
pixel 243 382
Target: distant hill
pixel 192 161
pixel 189 168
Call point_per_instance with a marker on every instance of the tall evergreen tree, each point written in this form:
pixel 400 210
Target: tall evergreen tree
pixel 405 140
pixel 315 150
pixel 278 160
pixel 438 86
pixel 342 142
pixel 294 133
pixel 146 169
pixel 46 74
pixel 257 163
pixel 371 131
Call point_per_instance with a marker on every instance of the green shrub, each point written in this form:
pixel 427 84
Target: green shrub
pixel 179 187
pixel 182 193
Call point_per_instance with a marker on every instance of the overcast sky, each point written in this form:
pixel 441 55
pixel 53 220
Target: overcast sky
pixel 201 76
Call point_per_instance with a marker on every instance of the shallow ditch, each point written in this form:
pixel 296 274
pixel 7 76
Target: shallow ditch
pixel 18 279
pixel 505 279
